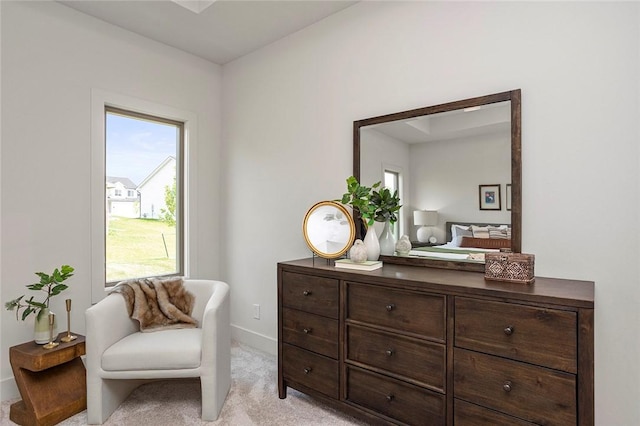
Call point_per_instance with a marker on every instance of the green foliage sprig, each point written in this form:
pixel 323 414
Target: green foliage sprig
pixel 52 285
pixel 168 215
pixel 373 204
pixel 387 205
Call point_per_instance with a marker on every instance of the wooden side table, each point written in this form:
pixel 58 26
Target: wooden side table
pixel 52 383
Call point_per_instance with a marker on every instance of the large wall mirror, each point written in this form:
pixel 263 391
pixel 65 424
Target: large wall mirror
pixel 442 158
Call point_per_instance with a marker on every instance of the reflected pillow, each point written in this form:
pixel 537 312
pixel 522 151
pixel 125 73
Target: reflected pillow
pixel 459 231
pixel 480 231
pixel 498 232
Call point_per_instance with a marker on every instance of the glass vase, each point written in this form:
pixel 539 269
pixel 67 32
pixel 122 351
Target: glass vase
pixel 41 331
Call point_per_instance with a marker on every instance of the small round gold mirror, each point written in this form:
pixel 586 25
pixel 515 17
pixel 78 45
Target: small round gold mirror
pixel 328 229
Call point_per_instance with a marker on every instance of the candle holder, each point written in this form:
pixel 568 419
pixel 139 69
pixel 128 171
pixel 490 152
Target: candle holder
pixel 69 337
pixel 51 344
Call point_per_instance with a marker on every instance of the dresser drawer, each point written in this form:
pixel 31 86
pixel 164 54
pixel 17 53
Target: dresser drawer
pixel 402 401
pixel 311 370
pixel 318 295
pixel 310 331
pixel 417 313
pixel 419 361
pixel 537 335
pixel 536 394
pixel 466 414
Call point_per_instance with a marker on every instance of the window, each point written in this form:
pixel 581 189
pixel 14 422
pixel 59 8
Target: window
pixel 143 231
pixel 186 171
pixel 391 180
pixel 392 183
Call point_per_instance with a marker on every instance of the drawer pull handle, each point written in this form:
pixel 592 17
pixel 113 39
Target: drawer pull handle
pixel 390 307
pixel 508 330
pixel 306 293
pixel 307 370
pixel 390 397
pixel 507 386
pixel 307 330
pixel 389 352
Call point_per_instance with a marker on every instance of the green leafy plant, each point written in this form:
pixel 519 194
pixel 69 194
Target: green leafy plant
pixel 373 204
pixel 387 205
pixel 52 285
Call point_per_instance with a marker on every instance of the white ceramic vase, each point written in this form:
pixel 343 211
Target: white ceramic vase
pixel 372 244
pixel 387 240
pixel 41 331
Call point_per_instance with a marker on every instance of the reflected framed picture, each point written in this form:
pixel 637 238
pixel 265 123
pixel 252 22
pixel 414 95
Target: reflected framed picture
pixel 508 196
pixel 490 197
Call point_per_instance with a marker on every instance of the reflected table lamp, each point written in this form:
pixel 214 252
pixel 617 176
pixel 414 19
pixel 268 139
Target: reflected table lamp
pixel 426 219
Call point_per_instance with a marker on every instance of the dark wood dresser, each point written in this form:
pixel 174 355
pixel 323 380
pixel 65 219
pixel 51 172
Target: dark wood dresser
pixel 425 346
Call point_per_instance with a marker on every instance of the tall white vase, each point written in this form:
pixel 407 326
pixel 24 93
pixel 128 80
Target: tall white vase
pixel 387 240
pixel 372 244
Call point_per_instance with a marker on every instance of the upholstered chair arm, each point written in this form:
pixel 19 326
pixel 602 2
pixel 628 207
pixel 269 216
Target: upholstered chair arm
pixel 215 323
pixel 107 322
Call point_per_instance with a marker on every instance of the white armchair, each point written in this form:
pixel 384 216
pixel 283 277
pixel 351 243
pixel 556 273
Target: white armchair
pixel 121 358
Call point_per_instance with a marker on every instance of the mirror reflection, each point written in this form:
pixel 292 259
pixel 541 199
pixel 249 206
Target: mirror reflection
pixel 456 163
pixel 328 229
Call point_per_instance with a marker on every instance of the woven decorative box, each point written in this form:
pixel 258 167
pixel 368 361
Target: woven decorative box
pixel 511 267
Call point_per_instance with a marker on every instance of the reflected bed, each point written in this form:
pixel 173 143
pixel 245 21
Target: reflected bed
pixel 468 242
pixel 450 252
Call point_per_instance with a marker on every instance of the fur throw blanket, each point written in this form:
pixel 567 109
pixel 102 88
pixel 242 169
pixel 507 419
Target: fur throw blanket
pixel 158 304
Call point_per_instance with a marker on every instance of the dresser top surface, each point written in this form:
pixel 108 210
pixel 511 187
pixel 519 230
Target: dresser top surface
pixel 575 293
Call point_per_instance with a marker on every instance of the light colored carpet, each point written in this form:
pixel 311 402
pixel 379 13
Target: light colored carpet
pixel 253 400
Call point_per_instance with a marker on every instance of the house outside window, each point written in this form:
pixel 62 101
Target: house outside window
pixel 144 229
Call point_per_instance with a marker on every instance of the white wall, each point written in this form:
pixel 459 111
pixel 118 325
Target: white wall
pixel 52 57
pixel 288 113
pixel 3 354
pixel 382 152
pixel 446 175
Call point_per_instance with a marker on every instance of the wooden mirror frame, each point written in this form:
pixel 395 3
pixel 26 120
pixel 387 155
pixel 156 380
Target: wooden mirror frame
pixel 514 97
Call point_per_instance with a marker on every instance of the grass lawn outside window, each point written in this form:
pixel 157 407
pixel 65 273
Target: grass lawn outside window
pixel 136 248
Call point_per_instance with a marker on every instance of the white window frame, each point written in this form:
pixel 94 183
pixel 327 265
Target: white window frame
pixel 100 99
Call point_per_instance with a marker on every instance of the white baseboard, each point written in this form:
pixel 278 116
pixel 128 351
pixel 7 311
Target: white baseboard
pixel 9 389
pixel 255 340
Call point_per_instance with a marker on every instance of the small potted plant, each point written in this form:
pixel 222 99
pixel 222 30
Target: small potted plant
pixel 51 285
pixel 374 205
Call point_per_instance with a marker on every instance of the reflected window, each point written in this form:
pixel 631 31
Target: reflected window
pixel 392 183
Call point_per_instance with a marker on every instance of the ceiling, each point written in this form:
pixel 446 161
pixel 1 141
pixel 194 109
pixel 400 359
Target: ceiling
pixel 222 31
pixel 462 123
